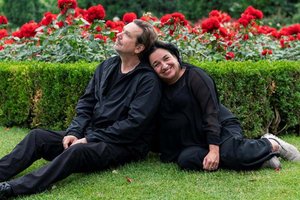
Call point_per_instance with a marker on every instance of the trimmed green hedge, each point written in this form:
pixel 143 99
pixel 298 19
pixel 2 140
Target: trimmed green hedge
pixel 36 94
pixel 264 95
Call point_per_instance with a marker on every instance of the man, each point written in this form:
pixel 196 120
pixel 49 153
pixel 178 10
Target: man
pixel 113 124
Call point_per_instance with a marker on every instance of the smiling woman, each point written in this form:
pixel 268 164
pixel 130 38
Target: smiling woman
pixel 166 66
pixel 196 131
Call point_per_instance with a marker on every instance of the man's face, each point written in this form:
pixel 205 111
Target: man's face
pixel 126 42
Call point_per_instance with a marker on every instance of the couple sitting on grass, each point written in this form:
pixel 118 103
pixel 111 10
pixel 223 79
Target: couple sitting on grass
pixel 124 104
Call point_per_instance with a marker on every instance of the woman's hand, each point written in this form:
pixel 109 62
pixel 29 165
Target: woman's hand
pixel 212 159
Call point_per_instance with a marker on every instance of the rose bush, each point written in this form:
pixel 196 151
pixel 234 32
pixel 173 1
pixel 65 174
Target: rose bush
pixel 77 34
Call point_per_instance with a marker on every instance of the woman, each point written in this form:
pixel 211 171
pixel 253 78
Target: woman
pixel 196 130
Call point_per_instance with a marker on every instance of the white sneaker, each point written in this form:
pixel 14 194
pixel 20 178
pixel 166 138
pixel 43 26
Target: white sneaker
pixel 286 151
pixel 273 163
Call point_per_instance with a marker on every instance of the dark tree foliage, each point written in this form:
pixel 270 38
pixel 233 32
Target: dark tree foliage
pixel 20 12
pixel 118 8
pixel 196 9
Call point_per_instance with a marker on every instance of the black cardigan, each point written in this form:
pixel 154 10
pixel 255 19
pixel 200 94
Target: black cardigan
pixel 190 113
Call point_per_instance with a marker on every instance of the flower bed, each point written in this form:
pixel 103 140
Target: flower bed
pixel 84 34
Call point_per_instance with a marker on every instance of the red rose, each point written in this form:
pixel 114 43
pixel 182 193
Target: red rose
pixel 266 51
pixel 290 30
pixel 166 19
pixel 214 13
pixel 17 34
pixel 249 15
pixel 265 29
pixel 3 33
pixel 80 12
pixel 1 48
pixel 28 29
pixel 291 38
pixel 229 43
pixel 115 27
pixel 222 17
pixel 98 29
pixel 270 52
pixel 3 20
pixel 179 18
pixel 210 24
pixel 254 12
pixel 275 34
pixel 60 24
pixel 10 41
pixel 223 31
pixel 110 24
pixel 95 12
pixel 129 17
pixel 48 18
pixel 175 19
pixel 282 43
pixel 149 18
pixel 246 37
pixel 119 26
pixel 101 37
pixel 229 56
pixel 64 5
pixel 245 19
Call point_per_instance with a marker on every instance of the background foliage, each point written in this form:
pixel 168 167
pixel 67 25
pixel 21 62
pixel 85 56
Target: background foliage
pixel 282 12
pixel 74 36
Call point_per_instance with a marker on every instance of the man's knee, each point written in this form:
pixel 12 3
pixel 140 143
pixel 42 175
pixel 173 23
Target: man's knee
pixel 35 131
pixel 75 149
pixel 82 157
pixel 35 134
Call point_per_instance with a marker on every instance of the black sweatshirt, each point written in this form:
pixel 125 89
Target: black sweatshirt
pixel 118 111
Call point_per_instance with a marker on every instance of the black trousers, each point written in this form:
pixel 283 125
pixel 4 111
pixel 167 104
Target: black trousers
pixel 48 145
pixel 236 152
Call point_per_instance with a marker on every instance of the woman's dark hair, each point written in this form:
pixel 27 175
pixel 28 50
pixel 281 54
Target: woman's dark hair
pixel 167 46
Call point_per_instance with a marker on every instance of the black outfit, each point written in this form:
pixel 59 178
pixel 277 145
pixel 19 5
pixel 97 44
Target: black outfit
pixel 115 115
pixel 191 117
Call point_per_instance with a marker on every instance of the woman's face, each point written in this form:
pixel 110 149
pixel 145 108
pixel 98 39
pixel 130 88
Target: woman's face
pixel 166 65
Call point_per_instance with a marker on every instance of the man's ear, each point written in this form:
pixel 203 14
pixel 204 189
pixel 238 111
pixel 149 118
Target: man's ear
pixel 139 48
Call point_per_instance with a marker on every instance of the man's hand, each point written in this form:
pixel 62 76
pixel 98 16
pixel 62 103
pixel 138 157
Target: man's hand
pixel 82 140
pixel 212 159
pixel 69 140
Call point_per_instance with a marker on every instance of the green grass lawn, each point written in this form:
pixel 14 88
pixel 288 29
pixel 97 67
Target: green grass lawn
pixel 151 179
